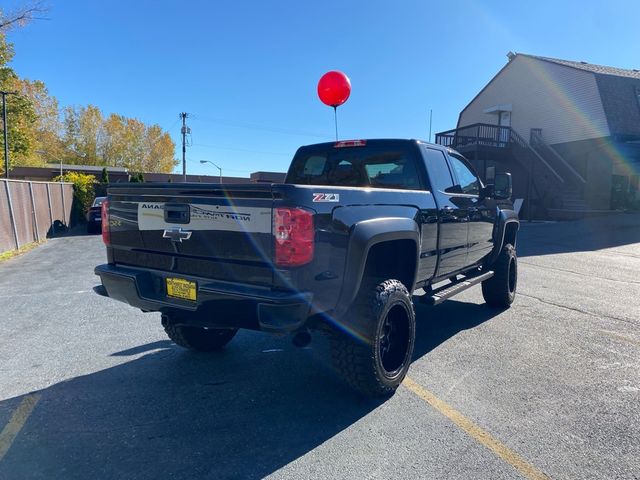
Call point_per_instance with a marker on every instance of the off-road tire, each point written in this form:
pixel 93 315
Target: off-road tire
pixel 500 290
pixel 199 338
pixel 358 349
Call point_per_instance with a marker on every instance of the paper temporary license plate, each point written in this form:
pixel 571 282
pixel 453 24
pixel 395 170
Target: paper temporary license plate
pixel 181 288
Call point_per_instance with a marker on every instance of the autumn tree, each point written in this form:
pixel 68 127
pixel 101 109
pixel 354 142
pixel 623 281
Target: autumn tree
pixel 39 134
pixel 129 143
pixel 83 135
pixel 22 15
pixel 114 147
pixel 45 132
pixel 31 113
pixel 159 151
pixel 20 112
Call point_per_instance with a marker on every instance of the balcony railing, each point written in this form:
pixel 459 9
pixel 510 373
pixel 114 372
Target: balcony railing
pixel 484 134
pixel 480 134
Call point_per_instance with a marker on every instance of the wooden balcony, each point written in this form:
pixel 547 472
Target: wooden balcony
pixel 480 134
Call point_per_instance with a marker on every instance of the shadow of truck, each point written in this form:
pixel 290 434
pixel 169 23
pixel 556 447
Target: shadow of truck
pixel 238 413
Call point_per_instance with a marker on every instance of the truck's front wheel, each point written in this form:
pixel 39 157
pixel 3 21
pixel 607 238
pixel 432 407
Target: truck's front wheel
pixel 500 290
pixel 373 351
pixel 198 338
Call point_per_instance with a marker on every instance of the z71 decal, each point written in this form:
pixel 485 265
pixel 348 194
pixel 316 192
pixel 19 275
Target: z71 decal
pixel 326 197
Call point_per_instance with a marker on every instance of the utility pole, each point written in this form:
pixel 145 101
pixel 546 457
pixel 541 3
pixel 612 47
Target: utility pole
pixel 184 131
pixel 4 128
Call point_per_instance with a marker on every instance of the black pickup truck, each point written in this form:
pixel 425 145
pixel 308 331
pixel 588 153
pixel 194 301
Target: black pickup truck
pixel 341 246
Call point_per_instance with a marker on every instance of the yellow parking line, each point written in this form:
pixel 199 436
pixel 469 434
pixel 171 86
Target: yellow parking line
pixel 621 337
pixel 474 431
pixel 17 421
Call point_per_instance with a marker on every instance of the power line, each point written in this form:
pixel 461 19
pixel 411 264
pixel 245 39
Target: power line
pixel 217 147
pixel 232 169
pixel 257 126
pixel 174 124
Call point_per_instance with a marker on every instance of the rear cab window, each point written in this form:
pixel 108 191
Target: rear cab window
pixel 377 166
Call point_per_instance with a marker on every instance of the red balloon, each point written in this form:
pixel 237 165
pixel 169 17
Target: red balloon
pixel 334 88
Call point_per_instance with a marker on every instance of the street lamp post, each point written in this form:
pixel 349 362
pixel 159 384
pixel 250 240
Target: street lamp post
pixel 5 131
pixel 219 168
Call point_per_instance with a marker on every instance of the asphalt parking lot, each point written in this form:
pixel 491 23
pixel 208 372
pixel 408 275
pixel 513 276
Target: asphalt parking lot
pixel 91 388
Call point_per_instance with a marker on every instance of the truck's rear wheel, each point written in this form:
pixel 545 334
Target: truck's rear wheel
pixel 374 353
pixel 198 338
pixel 500 290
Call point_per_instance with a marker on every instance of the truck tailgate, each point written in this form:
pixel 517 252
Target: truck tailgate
pixel 218 232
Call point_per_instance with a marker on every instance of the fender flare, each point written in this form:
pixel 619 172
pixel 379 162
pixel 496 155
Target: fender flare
pixel 362 237
pixel 505 218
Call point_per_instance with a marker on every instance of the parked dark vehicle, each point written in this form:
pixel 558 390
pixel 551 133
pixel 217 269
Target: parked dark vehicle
pixel 340 247
pixel 94 215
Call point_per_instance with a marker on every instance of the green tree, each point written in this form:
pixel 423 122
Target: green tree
pixel 104 176
pixel 136 177
pixel 21 115
pixel 46 130
pixel 83 192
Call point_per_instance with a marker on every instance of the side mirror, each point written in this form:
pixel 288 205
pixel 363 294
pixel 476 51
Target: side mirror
pixel 488 191
pixel 502 188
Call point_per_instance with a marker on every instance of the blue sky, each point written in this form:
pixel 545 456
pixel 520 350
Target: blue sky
pixel 247 70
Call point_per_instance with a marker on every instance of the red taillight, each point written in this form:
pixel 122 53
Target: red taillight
pixel 293 231
pixel 349 143
pixel 106 237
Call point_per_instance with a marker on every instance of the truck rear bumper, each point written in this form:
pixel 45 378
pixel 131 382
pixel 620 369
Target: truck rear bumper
pixel 222 304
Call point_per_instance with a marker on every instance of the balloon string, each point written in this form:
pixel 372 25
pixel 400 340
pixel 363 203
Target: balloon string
pixel 335 117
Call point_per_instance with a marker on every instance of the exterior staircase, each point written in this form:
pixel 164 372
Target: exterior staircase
pixel 570 203
pixel 572 199
pixel 552 188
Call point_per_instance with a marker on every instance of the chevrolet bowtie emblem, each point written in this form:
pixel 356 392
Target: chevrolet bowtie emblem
pixel 176 234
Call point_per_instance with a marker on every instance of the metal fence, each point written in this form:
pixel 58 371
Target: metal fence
pixel 29 211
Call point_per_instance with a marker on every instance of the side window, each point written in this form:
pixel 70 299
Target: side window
pixel 438 169
pixel 466 178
